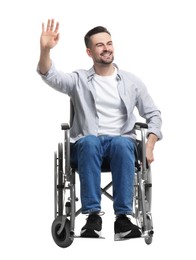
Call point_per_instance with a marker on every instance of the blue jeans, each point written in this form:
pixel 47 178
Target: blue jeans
pixel 87 155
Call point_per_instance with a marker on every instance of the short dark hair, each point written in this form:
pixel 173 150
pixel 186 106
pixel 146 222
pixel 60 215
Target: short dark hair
pixel 95 30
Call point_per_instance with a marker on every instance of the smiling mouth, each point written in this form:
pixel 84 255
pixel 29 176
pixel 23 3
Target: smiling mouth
pixel 106 54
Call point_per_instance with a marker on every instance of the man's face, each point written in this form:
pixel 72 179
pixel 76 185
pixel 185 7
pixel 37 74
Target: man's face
pixel 101 49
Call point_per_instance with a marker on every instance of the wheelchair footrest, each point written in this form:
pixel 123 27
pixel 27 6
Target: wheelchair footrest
pixel 89 237
pixel 123 239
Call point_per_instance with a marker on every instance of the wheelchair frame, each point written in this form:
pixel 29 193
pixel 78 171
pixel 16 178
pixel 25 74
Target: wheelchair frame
pixel 63 226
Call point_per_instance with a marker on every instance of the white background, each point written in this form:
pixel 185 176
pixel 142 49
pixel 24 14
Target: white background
pixel 153 39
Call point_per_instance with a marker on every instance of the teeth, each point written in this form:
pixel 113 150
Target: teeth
pixel 106 54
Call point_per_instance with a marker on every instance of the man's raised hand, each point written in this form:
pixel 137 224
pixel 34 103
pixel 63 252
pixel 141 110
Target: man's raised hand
pixel 50 36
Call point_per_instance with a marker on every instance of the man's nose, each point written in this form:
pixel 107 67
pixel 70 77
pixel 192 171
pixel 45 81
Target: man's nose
pixel 106 47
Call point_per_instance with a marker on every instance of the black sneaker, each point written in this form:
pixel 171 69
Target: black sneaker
pixel 123 228
pixel 93 226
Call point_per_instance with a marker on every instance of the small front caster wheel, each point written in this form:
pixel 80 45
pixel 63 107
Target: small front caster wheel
pixel 148 240
pixel 64 239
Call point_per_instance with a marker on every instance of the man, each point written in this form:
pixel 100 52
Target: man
pixel 104 98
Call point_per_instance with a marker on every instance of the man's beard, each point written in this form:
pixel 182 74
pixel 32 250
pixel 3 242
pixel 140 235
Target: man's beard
pixel 105 61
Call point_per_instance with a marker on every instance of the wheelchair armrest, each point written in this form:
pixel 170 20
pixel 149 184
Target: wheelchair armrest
pixel 65 126
pixel 139 125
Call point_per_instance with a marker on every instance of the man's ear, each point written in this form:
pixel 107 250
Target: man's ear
pixel 88 51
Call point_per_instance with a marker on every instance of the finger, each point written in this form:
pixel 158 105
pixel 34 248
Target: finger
pixel 48 25
pixel 150 160
pixel 57 37
pixel 52 25
pixel 57 27
pixel 43 27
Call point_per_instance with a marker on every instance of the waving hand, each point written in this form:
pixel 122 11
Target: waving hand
pixel 50 36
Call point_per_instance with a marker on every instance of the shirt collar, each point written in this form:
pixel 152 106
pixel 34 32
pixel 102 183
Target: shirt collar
pixel 91 72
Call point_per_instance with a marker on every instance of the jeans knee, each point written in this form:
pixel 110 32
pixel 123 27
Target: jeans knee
pixel 89 144
pixel 122 143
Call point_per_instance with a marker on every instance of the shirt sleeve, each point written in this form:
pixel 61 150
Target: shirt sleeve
pixel 60 81
pixel 148 110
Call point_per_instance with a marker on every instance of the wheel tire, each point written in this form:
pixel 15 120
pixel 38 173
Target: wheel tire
pixel 148 190
pixel 62 240
pixel 60 180
pixel 148 240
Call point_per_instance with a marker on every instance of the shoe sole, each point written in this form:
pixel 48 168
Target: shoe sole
pixel 90 233
pixel 135 233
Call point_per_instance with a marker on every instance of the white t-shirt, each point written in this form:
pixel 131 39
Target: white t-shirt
pixel 110 108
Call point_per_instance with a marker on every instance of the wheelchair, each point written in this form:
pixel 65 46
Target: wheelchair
pixel 65 212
